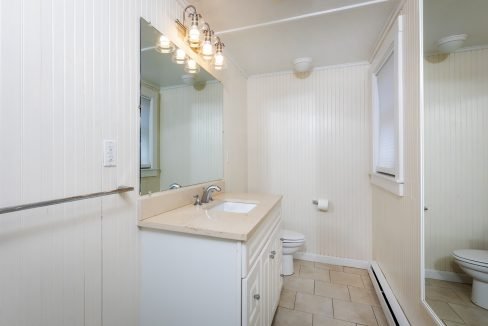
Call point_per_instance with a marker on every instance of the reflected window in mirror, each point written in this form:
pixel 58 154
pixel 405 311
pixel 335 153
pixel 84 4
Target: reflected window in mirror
pixel 146 137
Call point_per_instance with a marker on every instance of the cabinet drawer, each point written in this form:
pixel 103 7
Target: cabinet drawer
pixel 253 247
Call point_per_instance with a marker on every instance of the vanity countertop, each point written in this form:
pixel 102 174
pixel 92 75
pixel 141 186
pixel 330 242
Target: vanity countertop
pixel 202 220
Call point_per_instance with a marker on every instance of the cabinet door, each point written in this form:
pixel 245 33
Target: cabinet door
pixel 253 297
pixel 275 279
pixel 267 284
pixel 271 276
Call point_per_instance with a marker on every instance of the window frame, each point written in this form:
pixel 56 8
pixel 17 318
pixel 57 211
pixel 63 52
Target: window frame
pixel 391 180
pixel 149 92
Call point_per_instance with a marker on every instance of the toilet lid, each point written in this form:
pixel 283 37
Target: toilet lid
pixel 289 236
pixel 474 255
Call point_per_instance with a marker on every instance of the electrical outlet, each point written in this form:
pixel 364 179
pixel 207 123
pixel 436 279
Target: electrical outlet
pixel 109 153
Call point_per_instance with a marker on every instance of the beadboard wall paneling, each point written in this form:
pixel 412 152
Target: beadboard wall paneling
pixel 191 123
pixel 309 138
pixel 397 220
pixel 456 156
pixel 70 79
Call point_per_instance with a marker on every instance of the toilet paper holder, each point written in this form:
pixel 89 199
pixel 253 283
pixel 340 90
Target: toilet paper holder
pixel 322 204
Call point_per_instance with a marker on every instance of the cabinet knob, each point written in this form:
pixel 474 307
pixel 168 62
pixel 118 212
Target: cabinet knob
pixel 271 256
pixel 257 296
pixel 273 252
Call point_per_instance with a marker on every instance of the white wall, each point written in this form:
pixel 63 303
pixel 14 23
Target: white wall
pixel 309 138
pixel 191 134
pixel 456 156
pixel 69 79
pixel 397 220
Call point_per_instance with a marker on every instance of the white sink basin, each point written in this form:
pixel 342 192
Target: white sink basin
pixel 233 207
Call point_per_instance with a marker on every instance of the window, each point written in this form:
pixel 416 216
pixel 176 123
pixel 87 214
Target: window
pixel 149 123
pixel 388 113
pixel 146 149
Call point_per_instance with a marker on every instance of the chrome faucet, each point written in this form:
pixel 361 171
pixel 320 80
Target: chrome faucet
pixel 207 193
pixel 174 186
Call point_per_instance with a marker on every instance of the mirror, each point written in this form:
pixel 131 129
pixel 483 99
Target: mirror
pixel 181 121
pixel 456 160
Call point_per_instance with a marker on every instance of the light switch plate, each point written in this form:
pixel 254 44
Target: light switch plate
pixel 109 153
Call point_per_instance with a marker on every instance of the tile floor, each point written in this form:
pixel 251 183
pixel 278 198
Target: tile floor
pixel 328 295
pixel 451 302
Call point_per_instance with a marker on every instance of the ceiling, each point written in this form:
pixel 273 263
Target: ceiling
pixel 341 35
pixel 159 69
pixel 450 17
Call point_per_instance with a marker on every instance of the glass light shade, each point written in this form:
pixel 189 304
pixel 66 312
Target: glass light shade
pixel 191 66
pixel 218 61
pixel 179 56
pixel 194 36
pixel 207 50
pixel 164 45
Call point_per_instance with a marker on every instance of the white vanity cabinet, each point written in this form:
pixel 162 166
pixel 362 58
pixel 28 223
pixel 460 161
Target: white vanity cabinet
pixel 195 279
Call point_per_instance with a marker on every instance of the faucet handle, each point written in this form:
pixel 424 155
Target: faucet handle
pixel 197 200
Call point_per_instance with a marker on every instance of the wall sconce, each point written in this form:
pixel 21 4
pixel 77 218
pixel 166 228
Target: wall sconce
pixel 192 31
pixel 218 61
pixel 207 46
pixel 202 45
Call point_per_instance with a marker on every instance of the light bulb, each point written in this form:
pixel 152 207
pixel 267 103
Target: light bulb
pixel 164 45
pixel 194 36
pixel 218 61
pixel 164 42
pixel 179 56
pixel 191 66
pixel 207 50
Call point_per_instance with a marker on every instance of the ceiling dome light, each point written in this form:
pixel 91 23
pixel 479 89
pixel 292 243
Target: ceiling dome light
pixel 301 65
pixel 179 56
pixel 451 43
pixel 164 45
pixel 191 66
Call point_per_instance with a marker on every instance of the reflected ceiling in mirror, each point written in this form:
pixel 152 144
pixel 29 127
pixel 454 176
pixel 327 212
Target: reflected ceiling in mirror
pixel 181 120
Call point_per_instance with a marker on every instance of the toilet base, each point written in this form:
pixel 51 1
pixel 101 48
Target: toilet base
pixel 479 294
pixel 287 265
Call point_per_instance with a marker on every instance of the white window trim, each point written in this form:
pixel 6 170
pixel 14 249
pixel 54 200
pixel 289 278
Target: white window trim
pixel 151 92
pixel 393 43
pixel 149 173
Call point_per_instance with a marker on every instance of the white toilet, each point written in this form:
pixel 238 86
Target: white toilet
pixel 475 263
pixel 291 242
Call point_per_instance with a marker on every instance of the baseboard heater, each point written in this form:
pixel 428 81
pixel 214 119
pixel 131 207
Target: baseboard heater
pixel 393 312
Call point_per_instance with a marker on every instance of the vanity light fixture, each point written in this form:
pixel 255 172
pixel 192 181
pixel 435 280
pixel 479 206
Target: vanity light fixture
pixel 179 56
pixel 218 60
pixel 191 66
pixel 191 31
pixel 209 50
pixel 164 45
pixel 207 47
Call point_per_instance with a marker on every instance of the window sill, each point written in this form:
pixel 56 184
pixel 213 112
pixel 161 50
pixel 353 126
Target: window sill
pixel 146 173
pixel 387 183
